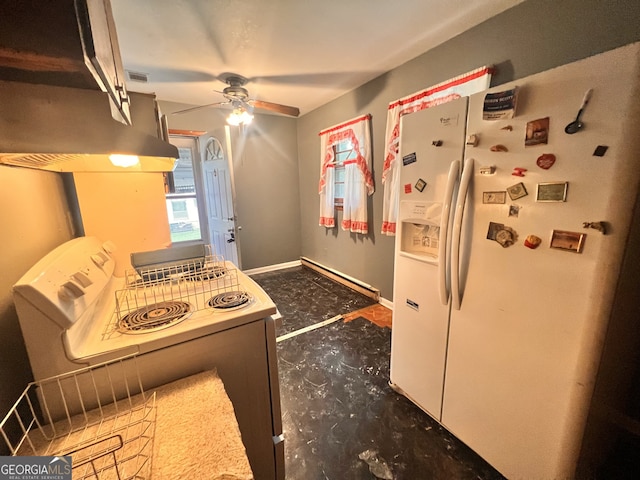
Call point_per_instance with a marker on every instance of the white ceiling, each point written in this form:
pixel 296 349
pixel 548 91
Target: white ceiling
pixel 302 53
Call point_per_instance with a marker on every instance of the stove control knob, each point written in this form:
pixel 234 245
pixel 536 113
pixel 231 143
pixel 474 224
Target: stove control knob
pixel 100 259
pixel 82 278
pixel 109 247
pixel 70 290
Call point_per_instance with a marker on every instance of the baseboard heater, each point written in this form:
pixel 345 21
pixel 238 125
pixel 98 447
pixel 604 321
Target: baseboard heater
pixel 343 279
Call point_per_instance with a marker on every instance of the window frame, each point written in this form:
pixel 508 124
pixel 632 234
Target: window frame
pixel 170 187
pixel 342 152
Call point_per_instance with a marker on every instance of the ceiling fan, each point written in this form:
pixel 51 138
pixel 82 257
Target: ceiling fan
pixel 237 97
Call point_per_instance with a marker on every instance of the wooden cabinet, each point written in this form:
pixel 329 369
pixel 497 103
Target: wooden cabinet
pixel 69 43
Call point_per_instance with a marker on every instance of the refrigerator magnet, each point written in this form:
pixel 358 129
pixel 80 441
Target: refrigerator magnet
pixel 537 132
pixel 420 184
pixel 494 228
pixel 517 191
pixel 532 241
pixel 546 161
pixel 494 197
pixel 498 148
pixel 409 159
pixel 500 105
pixel 514 210
pixel 407 188
pixel 506 237
pixel 569 241
pixel 552 192
pixel 600 150
pixel 488 170
pixel 602 227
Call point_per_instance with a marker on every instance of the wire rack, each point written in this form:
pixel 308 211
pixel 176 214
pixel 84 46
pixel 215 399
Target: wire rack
pixel 99 415
pixel 152 292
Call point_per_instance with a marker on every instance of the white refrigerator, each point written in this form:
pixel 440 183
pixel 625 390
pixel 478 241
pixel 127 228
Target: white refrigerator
pixel 496 338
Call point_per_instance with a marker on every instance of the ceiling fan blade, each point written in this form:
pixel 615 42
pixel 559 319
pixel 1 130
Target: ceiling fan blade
pixel 309 79
pixel 153 74
pixel 186 110
pixel 275 107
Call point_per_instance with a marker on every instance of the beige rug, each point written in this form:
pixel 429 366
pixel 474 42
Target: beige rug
pixel 190 432
pixel 197 435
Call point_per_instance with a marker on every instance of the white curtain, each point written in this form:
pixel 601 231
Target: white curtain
pixel 358 181
pixel 461 86
pixel 327 185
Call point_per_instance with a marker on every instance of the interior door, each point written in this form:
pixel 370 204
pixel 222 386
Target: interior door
pixel 218 193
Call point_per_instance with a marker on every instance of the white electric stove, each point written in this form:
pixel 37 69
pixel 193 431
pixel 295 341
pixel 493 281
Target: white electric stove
pixel 72 308
pixel 180 318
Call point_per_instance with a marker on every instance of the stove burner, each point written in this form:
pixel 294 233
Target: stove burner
pixel 207 273
pixel 229 300
pixel 154 317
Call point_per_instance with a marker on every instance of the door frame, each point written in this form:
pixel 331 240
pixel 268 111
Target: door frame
pixel 199 139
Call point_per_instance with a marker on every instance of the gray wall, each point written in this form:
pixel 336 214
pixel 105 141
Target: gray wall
pixel 265 170
pixel 531 37
pixel 35 218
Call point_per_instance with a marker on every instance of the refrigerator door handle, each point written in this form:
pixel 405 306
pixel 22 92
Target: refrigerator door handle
pixel 443 263
pixel 467 173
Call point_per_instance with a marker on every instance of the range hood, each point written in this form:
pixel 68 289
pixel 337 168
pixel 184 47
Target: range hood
pixel 71 130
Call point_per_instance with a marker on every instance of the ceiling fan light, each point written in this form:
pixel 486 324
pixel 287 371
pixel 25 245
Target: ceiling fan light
pixel 247 118
pixel 239 117
pixel 234 119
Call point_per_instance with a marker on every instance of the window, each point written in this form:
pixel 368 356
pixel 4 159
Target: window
pixel 182 204
pixel 342 152
pixel 345 174
pixel 180 211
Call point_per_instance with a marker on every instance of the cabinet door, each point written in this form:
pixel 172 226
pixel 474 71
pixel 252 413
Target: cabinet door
pixel 102 53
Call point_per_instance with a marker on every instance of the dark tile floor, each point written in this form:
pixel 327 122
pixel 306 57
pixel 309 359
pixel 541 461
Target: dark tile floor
pixel 305 297
pixel 341 419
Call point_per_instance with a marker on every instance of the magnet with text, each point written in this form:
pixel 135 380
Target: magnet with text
pixel 409 159
pixel 532 241
pixel 500 105
pixel 546 161
pixel 518 172
pixel 407 188
pixel 517 191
